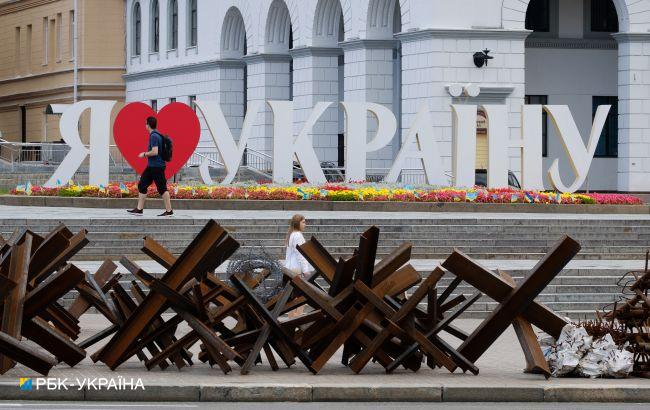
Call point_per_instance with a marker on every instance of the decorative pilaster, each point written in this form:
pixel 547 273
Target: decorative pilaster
pixel 269 78
pixel 369 67
pixel 316 79
pixel 633 112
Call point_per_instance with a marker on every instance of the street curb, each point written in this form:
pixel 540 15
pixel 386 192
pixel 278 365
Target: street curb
pixel 149 394
pixel 338 393
pixel 352 206
pixel 492 394
pixel 256 393
pixel 591 394
pixel 323 393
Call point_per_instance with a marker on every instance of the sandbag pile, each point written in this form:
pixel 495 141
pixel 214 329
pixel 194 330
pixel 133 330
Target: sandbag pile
pixel 575 353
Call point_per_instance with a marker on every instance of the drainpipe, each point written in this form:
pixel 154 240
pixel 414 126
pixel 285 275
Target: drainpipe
pixel 76 52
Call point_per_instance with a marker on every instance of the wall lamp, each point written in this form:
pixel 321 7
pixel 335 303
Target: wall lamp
pixel 482 57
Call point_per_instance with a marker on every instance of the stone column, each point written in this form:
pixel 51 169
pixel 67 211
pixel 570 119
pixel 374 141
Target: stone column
pixel 633 111
pixel 369 78
pixel 432 60
pixel 316 79
pixel 269 78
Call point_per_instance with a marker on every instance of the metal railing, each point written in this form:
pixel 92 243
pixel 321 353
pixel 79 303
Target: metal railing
pixel 48 153
pixel 260 163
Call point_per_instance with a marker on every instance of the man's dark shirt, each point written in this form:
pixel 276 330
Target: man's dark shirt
pixel 156 140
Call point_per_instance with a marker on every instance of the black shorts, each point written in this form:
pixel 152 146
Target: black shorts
pixel 153 174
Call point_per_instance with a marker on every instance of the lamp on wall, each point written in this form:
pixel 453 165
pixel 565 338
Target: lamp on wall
pixel 481 58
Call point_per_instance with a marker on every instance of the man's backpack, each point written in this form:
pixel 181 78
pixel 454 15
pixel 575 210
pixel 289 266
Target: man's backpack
pixel 167 148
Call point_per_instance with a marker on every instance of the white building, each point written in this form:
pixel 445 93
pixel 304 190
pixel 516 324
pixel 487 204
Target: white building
pixel 401 54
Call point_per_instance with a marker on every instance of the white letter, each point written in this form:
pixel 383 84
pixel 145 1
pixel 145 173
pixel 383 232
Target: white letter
pixel 100 121
pixel 356 135
pixel 464 145
pixel 230 152
pixel 421 135
pixel 285 145
pixel 531 148
pixel 579 157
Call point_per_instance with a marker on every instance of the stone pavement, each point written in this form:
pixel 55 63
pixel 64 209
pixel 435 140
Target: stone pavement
pixel 500 380
pixel 35 213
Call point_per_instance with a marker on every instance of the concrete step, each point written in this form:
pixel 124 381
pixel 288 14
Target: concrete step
pixel 577 293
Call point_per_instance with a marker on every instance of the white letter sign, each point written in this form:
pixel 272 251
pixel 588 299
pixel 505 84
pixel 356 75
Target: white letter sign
pixel 580 157
pixel 421 136
pixel 100 122
pixel 230 152
pixel 356 135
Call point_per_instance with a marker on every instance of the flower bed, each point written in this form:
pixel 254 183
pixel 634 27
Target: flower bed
pixel 333 192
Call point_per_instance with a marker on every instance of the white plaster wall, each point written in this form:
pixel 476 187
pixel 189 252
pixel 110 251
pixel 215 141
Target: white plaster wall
pixel 572 77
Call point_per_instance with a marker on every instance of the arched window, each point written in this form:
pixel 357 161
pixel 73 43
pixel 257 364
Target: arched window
pixel 137 29
pixel 192 24
pixel 155 26
pixel 173 24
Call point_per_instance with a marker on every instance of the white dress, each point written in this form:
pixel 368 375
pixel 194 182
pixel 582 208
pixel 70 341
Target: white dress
pixel 293 259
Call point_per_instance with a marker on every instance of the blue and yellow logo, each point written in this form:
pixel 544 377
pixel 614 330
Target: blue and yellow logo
pixel 25 384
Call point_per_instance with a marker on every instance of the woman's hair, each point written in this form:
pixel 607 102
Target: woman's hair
pixel 294 225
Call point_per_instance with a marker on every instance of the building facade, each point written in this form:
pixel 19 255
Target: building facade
pixel 402 54
pixel 37 68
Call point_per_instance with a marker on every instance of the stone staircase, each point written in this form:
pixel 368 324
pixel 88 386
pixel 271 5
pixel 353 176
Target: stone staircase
pixel 505 243
pixel 499 239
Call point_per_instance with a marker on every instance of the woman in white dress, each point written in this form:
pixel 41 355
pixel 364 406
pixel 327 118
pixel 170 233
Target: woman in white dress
pixel 294 260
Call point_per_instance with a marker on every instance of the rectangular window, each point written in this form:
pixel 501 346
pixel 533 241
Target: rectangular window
pixel 59 23
pixel 154 105
pixel 608 142
pixel 17 50
pixel 603 16
pixel 46 45
pixel 541 100
pixel 538 16
pixel 51 40
pixel 194 23
pixel 172 100
pixel 28 48
pixel 192 99
pixel 71 35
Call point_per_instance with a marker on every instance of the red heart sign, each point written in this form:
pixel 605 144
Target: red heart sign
pixel 176 120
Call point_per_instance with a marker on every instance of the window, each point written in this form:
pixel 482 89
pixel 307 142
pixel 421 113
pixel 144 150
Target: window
pixel 52 39
pixel 59 23
pixel 172 100
pixel 45 40
pixel 173 24
pixel 193 24
pixel 541 100
pixel 538 16
pixel 154 105
pixel 17 50
pixel 28 48
pixel 608 142
pixel 192 99
pixel 603 16
pixel 155 26
pixel 71 46
pixel 137 29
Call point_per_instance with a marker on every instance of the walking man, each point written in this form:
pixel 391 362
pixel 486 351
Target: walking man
pixel 155 171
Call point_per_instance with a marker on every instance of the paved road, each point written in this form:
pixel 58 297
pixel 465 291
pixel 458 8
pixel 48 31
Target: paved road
pixel 321 406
